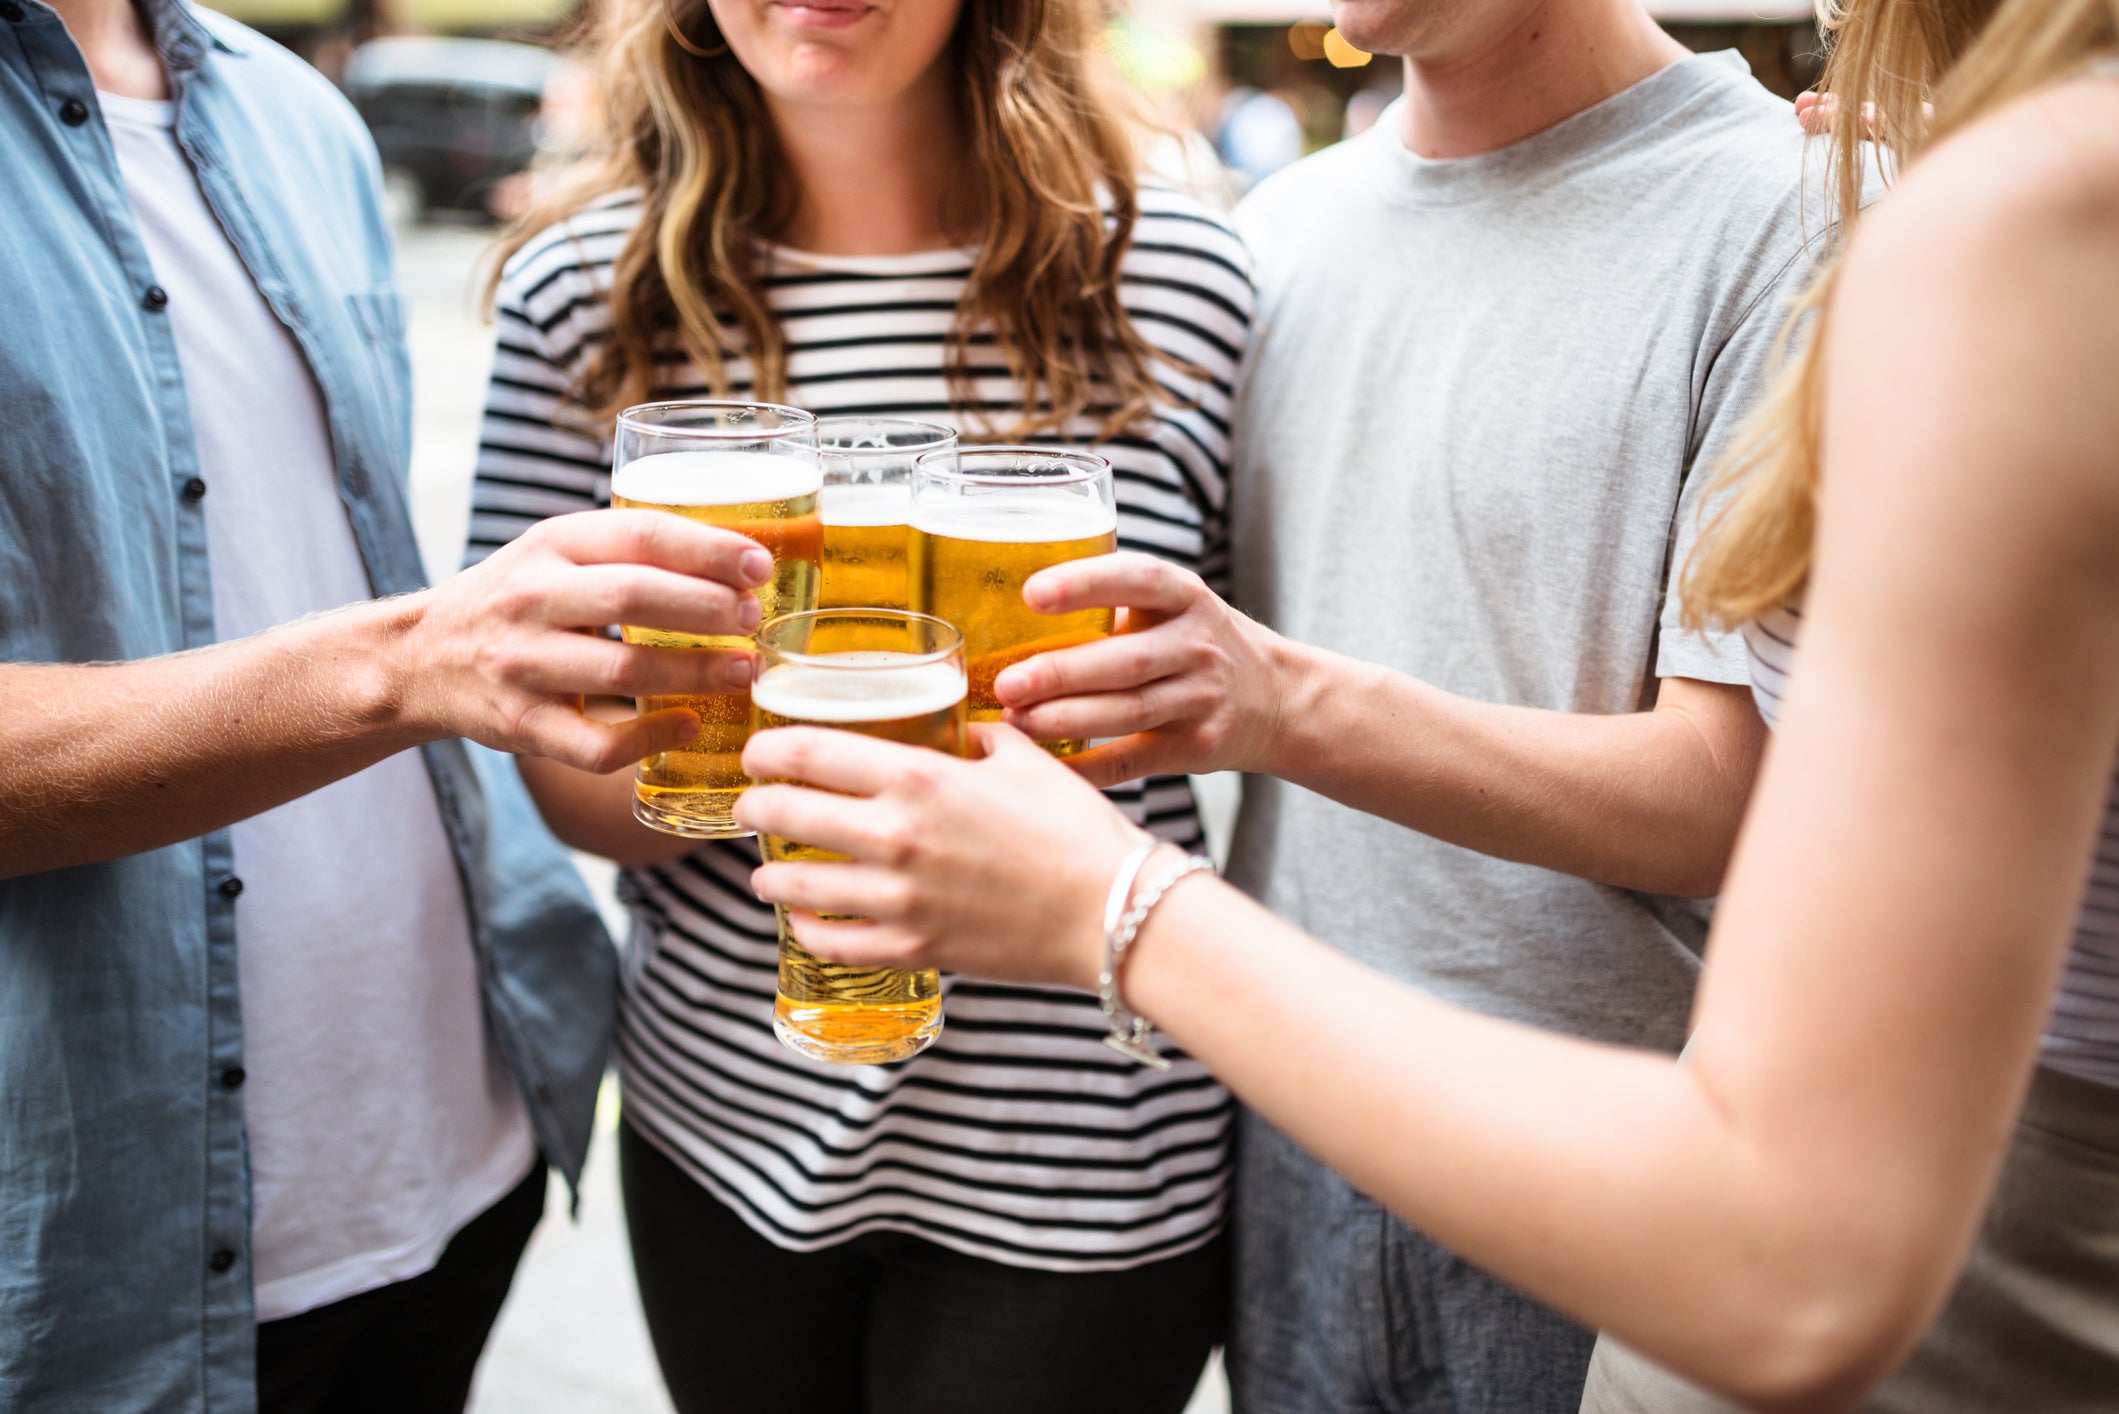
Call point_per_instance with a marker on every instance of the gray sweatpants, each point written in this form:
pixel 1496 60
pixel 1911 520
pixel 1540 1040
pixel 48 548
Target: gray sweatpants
pixel 1339 1308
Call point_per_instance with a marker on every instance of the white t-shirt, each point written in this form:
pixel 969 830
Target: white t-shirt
pixel 379 1119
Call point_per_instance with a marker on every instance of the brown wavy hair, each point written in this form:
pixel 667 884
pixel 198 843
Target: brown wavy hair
pixel 1889 57
pixel 1051 203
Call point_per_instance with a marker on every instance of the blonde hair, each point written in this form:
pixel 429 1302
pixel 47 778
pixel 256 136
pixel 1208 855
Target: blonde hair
pixel 1053 195
pixel 1967 57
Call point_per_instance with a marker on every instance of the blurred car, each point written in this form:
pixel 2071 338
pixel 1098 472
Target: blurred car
pixel 452 118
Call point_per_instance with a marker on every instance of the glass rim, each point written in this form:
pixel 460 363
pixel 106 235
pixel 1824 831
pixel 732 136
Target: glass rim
pixel 951 644
pixel 641 417
pixel 945 438
pixel 1083 467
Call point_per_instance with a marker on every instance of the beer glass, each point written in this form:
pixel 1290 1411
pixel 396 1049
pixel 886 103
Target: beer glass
pixel 866 501
pixel 747 467
pixel 983 521
pixel 904 682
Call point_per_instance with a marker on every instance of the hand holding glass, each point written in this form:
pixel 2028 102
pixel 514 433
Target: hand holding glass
pixel 881 673
pixel 983 521
pixel 747 467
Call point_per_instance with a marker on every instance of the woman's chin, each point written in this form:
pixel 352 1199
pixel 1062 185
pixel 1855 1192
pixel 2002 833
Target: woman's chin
pixel 823 74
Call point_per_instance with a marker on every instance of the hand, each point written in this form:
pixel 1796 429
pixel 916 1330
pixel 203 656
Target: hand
pixel 505 652
pixel 997 867
pixel 1186 684
pixel 1818 113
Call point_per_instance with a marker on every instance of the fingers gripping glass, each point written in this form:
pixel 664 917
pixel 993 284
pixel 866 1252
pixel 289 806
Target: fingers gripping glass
pixel 747 467
pixel 883 673
pixel 986 519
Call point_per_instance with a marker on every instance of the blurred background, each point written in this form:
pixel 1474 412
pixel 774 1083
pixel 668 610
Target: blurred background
pixel 462 95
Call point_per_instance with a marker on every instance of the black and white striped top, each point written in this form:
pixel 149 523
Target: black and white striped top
pixel 1018 1136
pixel 2082 1031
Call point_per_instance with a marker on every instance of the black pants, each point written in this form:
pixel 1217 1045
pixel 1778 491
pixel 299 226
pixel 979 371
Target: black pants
pixel 410 1347
pixel 891 1324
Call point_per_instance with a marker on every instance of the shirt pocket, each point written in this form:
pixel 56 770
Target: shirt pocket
pixel 379 318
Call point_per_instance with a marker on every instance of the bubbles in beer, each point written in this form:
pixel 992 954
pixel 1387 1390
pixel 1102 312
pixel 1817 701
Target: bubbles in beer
pixel 859 1015
pixel 970 557
pixel 772 499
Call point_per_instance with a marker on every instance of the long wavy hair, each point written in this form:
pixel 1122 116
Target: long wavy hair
pixel 1052 205
pixel 1888 58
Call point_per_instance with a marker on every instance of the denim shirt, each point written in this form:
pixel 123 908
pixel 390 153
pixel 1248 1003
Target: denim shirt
pixel 125 1279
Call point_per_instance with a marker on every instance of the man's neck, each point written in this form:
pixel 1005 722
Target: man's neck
pixel 1533 67
pixel 884 183
pixel 114 42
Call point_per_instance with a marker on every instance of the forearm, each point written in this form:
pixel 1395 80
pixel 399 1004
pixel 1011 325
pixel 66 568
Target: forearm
pixel 1604 1182
pixel 1644 800
pixel 98 761
pixel 595 814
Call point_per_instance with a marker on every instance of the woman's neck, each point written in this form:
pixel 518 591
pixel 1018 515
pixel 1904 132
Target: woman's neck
pixel 882 181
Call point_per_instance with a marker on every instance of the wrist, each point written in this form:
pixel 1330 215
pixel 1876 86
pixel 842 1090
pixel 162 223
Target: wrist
pixel 1293 671
pixel 377 675
pixel 1115 867
pixel 1142 883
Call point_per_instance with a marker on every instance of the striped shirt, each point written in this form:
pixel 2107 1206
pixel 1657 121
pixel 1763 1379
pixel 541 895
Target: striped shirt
pixel 2082 1031
pixel 1017 1136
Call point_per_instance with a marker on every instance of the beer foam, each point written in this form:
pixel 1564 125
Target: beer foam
pixel 874 692
pixel 863 505
pixel 1015 517
pixel 716 478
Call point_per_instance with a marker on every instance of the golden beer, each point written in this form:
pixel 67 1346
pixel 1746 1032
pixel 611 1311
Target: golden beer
pixel 864 546
pixel 972 551
pixel 914 694
pixel 771 498
pixel 868 468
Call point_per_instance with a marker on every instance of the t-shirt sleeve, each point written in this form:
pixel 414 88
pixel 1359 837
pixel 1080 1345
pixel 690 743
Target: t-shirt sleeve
pixel 1736 382
pixel 1188 288
pixel 537 454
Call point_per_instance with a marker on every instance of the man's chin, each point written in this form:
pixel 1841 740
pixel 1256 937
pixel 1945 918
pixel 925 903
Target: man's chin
pixel 1378 26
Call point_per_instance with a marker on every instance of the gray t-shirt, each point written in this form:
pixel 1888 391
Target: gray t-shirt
pixel 1484 405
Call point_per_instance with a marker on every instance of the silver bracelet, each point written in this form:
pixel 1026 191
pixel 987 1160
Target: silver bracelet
pixel 1131 1032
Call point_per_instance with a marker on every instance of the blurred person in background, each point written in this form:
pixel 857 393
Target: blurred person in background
pixel 1916 948
pixel 297 998
pixel 1501 336
pixel 1259 134
pixel 926 208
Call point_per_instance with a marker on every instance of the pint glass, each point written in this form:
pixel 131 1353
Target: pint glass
pixel 905 682
pixel 865 504
pixel 747 467
pixel 983 521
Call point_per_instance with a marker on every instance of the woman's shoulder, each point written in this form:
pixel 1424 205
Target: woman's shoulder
pixel 1188 278
pixel 2042 167
pixel 576 249
pixel 1974 329
pixel 1179 218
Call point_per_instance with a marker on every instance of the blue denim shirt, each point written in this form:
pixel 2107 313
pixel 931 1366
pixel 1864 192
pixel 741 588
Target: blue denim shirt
pixel 124 1193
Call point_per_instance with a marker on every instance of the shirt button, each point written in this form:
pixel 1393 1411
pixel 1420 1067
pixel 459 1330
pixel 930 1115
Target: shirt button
pixel 233 1077
pixel 73 112
pixel 221 1260
pixel 230 886
pixel 194 489
pixel 154 299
